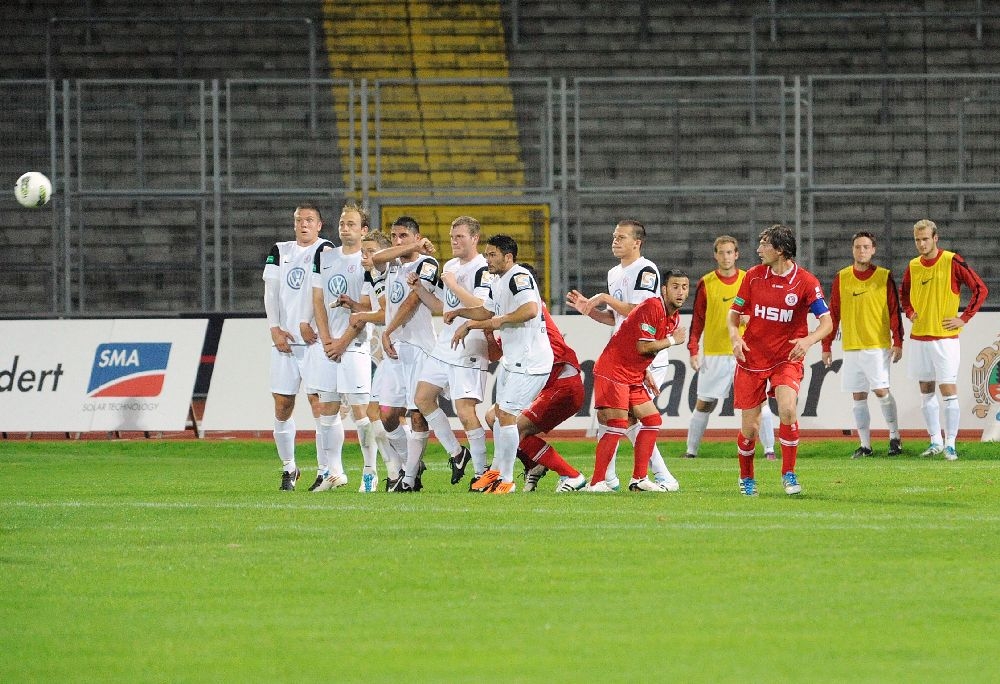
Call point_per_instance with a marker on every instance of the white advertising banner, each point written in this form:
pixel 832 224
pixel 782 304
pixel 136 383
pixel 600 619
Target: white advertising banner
pixel 83 375
pixel 239 398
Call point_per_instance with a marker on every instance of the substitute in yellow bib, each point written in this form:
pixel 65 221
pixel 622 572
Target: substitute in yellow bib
pixel 865 306
pixel 930 293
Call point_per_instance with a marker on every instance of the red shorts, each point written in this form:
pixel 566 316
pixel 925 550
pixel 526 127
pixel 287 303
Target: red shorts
pixel 750 388
pixel 617 395
pixel 559 400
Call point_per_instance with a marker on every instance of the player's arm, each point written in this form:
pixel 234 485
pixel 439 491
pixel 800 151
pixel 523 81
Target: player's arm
pixel 962 273
pixel 467 298
pixel 835 320
pixel 895 319
pixel 390 254
pixel 319 313
pixel 697 323
pixel 821 311
pixel 591 306
pixel 650 347
pixel 733 326
pixel 427 298
pixel 272 306
pixel 474 313
pixel 904 295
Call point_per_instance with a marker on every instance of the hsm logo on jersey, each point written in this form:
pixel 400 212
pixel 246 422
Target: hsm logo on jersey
pixel 129 369
pixel 772 313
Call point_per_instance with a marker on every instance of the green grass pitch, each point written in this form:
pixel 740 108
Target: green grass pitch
pixel 180 561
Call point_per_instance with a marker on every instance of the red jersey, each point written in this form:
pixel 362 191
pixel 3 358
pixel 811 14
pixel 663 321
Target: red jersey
pixel 778 307
pixel 562 353
pixel 621 361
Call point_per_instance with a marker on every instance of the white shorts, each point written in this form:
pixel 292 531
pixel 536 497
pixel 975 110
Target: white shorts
pixel 517 391
pixel 660 374
pixel 715 377
pixel 865 369
pixel 412 359
pixel 935 360
pixel 287 370
pixel 351 376
pixel 388 388
pixel 457 382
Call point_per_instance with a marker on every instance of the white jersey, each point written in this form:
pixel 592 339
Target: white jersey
pixel 526 347
pixel 375 290
pixel 291 265
pixel 336 273
pixel 419 330
pixel 634 284
pixel 475 277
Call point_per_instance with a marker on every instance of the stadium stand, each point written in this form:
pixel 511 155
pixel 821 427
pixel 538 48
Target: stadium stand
pixel 691 158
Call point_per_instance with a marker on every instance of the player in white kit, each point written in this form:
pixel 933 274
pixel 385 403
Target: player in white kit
pixel 513 311
pixel 340 364
pixel 407 340
pixel 287 295
pixel 459 373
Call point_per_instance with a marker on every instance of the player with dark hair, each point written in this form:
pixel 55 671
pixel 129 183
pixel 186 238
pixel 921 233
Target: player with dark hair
pixel 712 298
pixel 513 311
pixel 407 340
pixel 864 303
pixel 559 400
pixel 620 381
pixel 930 293
pixel 287 301
pixel 776 296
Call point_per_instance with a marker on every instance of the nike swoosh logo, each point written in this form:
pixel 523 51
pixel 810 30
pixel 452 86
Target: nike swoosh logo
pixel 924 282
pixel 327 268
pixel 857 294
pixel 728 299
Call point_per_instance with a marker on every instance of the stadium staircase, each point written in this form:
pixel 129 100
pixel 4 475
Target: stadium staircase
pixel 458 139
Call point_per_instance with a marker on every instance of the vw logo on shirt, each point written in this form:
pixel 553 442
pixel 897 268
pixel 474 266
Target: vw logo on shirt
pixel 396 292
pixel 337 285
pixel 295 278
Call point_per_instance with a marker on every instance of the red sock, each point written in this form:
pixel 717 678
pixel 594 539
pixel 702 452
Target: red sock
pixel 606 448
pixel 544 453
pixel 645 441
pixel 788 435
pixel 744 449
pixel 524 458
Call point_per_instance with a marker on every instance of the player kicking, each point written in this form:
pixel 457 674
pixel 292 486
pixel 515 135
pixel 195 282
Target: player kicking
pixel 777 295
pixel 620 381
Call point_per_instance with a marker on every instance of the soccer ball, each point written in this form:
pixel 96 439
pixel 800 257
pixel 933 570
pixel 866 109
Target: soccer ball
pixel 33 189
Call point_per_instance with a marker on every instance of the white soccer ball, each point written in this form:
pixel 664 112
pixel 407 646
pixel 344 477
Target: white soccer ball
pixel 33 189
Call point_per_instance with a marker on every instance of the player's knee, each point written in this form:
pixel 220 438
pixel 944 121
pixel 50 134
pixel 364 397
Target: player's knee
pixel 653 420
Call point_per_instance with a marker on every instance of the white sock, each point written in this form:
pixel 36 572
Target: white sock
pixel 929 407
pixel 397 440
pixel 322 464
pixel 952 417
pixel 505 441
pixel 766 428
pixel 888 406
pixel 441 426
pixel 477 446
pixel 415 445
pixel 367 443
pixel 696 430
pixel 284 440
pixel 332 428
pixel 863 419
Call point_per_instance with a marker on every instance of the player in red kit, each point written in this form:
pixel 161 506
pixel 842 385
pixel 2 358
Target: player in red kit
pixel 620 375
pixel 776 296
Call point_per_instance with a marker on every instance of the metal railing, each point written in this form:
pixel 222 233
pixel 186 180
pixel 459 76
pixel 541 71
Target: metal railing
pixel 245 161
